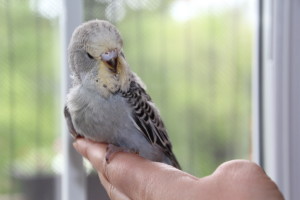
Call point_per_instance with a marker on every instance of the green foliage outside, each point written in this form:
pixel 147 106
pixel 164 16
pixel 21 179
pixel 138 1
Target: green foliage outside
pixel 198 73
pixel 29 94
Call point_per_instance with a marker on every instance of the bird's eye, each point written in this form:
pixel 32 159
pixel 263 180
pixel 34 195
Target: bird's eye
pixel 89 55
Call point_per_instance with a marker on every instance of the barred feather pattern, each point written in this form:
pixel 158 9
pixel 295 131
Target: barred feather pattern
pixel 147 120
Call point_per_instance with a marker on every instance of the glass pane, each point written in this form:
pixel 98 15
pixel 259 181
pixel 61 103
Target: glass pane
pixel 195 58
pixel 29 99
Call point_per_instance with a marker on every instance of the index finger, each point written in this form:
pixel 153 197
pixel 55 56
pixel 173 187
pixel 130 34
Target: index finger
pixel 137 177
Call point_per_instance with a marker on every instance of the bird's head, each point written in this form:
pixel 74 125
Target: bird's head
pixel 96 57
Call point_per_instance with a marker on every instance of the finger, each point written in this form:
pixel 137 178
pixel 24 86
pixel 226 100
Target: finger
pixel 94 152
pixel 245 180
pixel 138 178
pixel 112 192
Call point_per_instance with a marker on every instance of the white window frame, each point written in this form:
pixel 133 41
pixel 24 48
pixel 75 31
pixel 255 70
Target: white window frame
pixel 73 176
pixel 277 98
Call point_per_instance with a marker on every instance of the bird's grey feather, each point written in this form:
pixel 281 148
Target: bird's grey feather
pixel 147 119
pixel 69 122
pixel 113 107
pixel 95 118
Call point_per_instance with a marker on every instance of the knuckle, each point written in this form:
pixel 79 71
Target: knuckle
pixel 240 167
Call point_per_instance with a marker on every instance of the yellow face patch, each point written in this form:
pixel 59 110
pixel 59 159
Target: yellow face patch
pixel 107 80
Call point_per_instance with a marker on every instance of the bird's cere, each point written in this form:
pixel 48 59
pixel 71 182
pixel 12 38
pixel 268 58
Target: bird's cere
pixel 107 56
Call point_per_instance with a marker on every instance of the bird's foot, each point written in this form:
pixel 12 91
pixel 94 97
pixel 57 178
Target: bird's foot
pixel 111 150
pixel 78 136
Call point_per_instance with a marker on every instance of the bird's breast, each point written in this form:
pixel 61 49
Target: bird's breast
pixel 108 120
pixel 96 117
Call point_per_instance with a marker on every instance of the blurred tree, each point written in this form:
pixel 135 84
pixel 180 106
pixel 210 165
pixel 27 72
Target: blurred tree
pixel 29 95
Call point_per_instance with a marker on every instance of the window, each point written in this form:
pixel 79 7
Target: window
pixel 194 56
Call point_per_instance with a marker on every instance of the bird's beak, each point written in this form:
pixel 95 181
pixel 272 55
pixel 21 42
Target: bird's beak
pixel 111 59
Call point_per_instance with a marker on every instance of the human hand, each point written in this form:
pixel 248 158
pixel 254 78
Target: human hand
pixel 129 176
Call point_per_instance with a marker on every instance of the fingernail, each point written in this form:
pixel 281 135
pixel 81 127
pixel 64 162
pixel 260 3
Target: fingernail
pixel 75 144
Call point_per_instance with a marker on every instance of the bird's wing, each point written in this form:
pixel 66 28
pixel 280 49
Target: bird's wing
pixel 147 119
pixel 70 123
